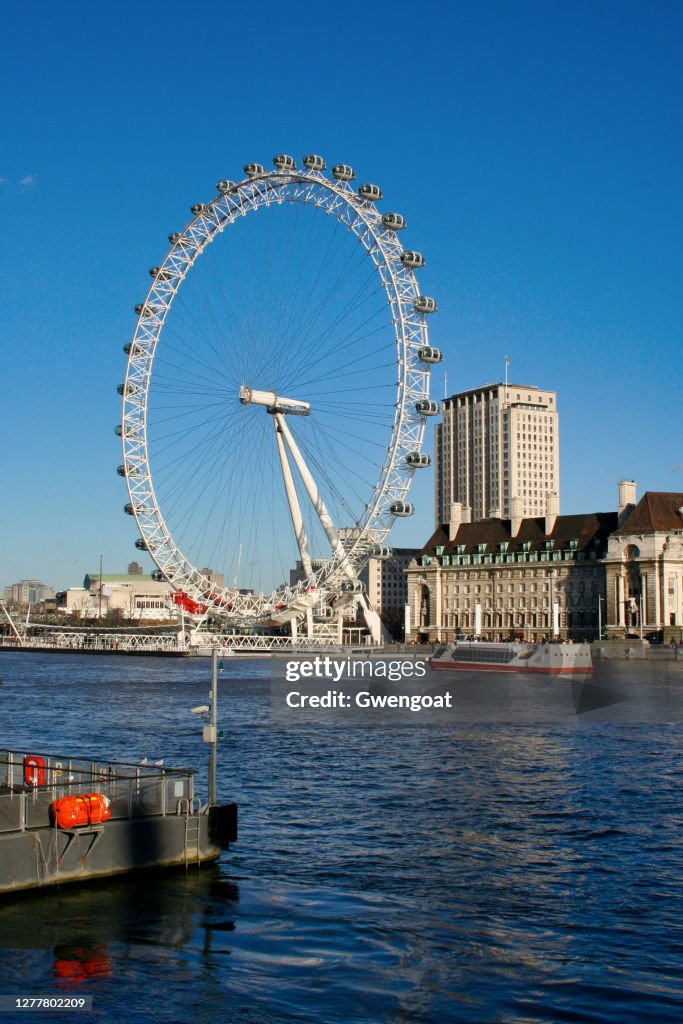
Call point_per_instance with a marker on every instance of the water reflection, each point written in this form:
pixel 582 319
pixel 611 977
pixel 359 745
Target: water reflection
pixel 88 930
pixel 473 872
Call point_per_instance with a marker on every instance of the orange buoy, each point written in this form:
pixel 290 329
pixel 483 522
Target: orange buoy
pixel 34 770
pixel 75 811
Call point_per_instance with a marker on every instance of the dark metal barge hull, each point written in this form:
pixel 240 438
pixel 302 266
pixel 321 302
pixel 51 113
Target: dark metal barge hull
pixel 51 856
pixel 154 821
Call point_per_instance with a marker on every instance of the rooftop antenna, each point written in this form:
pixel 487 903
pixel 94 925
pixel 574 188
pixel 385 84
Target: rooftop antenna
pixel 507 363
pixel 445 385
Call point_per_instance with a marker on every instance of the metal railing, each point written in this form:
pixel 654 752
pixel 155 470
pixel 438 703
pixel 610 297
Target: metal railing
pixel 111 642
pixel 30 783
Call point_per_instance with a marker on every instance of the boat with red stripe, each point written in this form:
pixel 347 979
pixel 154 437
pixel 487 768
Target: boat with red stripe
pixel 553 659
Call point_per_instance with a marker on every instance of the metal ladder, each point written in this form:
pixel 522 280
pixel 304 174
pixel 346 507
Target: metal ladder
pixel 191 838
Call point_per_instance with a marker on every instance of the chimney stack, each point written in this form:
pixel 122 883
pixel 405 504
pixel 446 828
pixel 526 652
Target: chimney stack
pixel 516 515
pixel 627 499
pixel 552 509
pixel 455 520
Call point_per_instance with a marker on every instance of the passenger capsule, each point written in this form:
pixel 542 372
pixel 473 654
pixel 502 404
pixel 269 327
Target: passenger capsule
pixel 284 162
pixel 158 576
pixel 145 310
pixel 253 170
pixel 425 407
pixel 224 186
pixel 198 208
pixel 173 237
pixel 159 274
pixel 424 304
pixel 418 460
pixel 353 587
pixel 121 470
pixel 412 259
pixel 429 354
pixel 342 172
pixel 314 162
pixel 118 430
pixel 128 509
pixel 393 221
pixel 382 551
pixel 141 544
pixel 127 347
pixel 402 508
pixel 371 193
pixel 129 391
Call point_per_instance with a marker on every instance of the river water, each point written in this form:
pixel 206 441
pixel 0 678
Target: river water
pixel 476 873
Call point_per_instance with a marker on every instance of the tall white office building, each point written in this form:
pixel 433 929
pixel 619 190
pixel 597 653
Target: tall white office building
pixel 497 453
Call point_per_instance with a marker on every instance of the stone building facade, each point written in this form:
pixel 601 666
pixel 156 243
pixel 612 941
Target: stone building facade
pixel 499 578
pixel 497 445
pixel 134 596
pixel 387 584
pixel 27 592
pixel 644 566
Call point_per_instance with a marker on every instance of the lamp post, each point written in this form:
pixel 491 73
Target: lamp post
pixel 550 573
pixel 600 600
pixel 210 732
pixel 99 606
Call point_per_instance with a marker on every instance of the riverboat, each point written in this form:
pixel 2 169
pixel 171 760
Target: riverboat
pixel 482 656
pixel 68 820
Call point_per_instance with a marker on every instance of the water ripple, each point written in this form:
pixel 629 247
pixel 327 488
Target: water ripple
pixel 476 874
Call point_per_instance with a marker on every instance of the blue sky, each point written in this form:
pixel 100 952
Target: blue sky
pixel 535 150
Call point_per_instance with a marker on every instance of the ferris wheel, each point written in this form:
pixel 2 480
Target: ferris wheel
pixel 276 393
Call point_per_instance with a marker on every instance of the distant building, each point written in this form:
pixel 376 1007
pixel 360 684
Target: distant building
pixel 495 444
pixel 28 592
pixel 217 578
pixel 644 564
pixel 386 581
pixel 135 596
pixel 527 577
pixel 298 574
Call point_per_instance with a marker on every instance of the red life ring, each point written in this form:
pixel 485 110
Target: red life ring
pixel 34 770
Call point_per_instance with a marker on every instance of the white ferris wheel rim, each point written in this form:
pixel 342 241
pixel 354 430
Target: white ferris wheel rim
pixel 338 199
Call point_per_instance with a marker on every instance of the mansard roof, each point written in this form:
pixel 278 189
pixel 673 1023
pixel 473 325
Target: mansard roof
pixel 656 510
pixel 586 529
